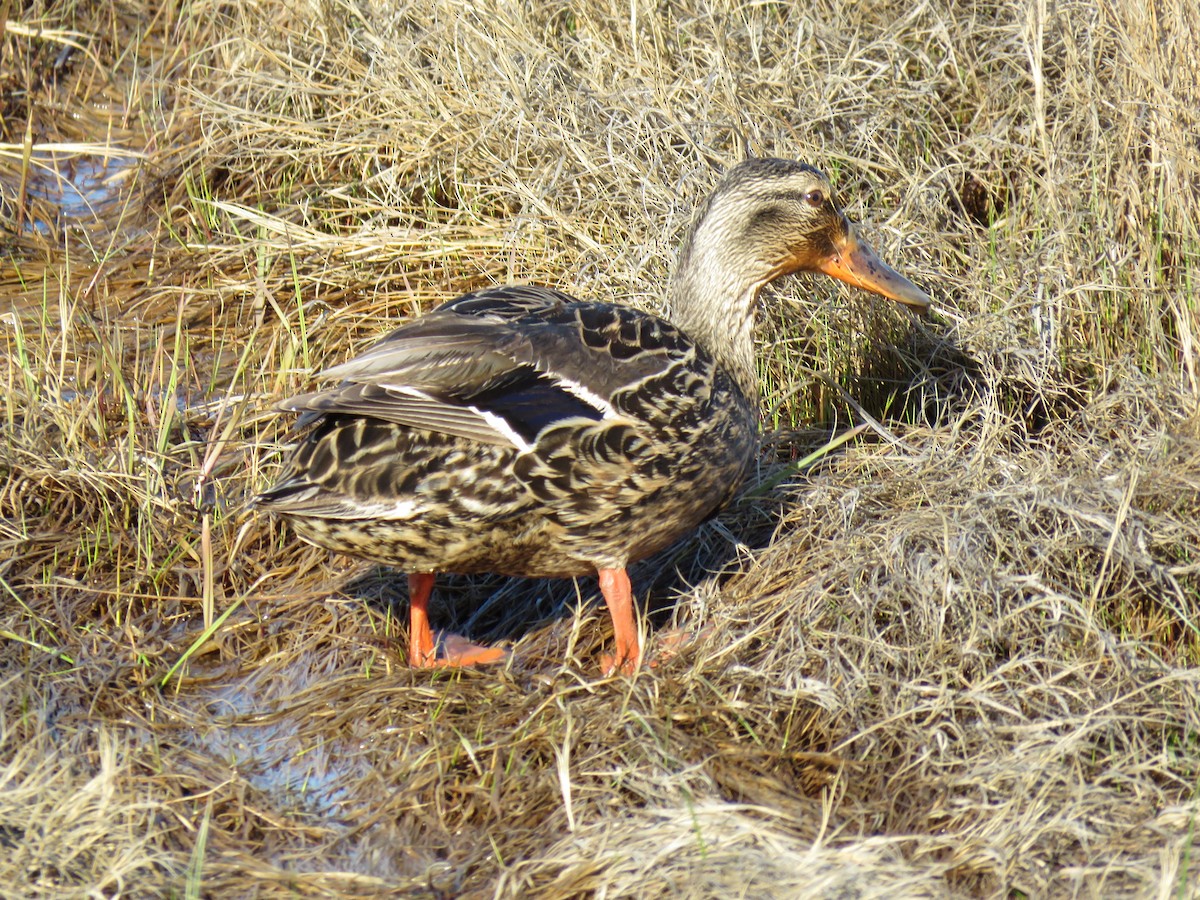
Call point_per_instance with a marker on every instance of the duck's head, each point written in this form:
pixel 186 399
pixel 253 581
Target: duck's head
pixel 773 217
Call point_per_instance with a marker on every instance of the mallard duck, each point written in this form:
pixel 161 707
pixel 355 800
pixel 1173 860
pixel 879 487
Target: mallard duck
pixel 520 431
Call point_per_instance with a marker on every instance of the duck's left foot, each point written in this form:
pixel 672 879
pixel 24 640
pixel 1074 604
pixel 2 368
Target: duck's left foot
pixel 425 651
pixel 455 651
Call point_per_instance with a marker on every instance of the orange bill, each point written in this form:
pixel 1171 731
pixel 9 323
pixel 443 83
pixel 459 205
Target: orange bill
pixel 854 262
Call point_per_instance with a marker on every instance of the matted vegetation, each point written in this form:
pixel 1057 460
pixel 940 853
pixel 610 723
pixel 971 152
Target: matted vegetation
pixel 956 657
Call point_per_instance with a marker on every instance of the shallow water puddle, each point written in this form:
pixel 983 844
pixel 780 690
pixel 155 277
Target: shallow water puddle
pixel 314 778
pixel 79 188
pixel 256 725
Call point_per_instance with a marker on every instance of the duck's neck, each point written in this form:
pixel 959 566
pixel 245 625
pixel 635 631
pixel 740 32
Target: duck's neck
pixel 714 303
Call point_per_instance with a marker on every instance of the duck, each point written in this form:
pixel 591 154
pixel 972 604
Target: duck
pixel 520 431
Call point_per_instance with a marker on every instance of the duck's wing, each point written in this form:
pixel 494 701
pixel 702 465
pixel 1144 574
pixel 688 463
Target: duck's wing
pixel 500 365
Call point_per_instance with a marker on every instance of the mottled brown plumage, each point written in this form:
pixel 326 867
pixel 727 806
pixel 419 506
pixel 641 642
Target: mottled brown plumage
pixel 520 431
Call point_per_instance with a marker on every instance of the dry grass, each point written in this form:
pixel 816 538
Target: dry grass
pixel 958 659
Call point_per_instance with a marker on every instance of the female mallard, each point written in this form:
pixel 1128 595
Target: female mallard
pixel 520 431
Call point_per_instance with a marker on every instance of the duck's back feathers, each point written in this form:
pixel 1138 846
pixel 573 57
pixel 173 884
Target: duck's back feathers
pixel 500 365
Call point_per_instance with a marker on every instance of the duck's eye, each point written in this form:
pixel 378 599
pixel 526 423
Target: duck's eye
pixel 815 199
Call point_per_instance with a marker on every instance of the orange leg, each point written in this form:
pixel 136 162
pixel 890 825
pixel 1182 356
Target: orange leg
pixel 423 649
pixel 422 652
pixel 614 585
